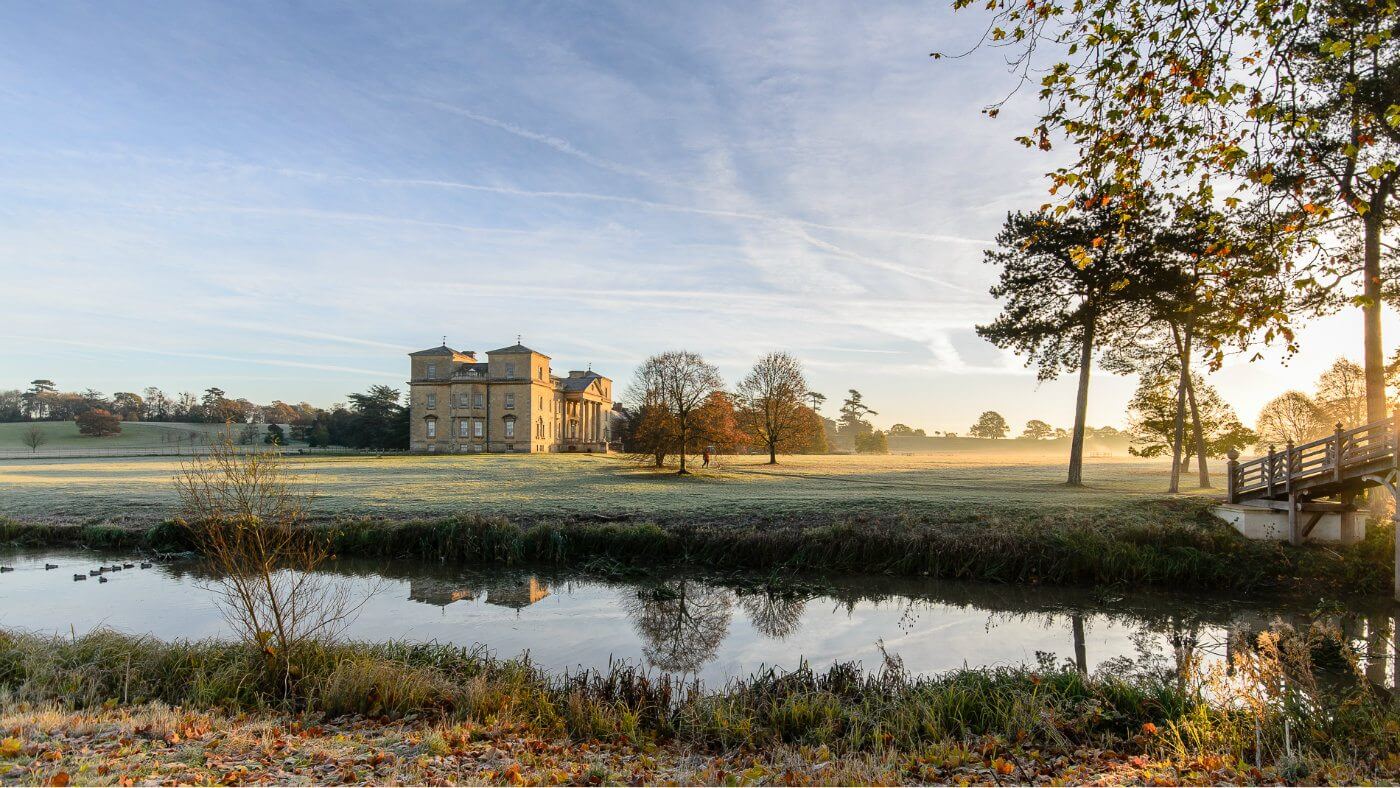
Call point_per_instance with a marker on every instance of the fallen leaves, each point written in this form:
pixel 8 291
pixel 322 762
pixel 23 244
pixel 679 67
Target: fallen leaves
pixel 153 744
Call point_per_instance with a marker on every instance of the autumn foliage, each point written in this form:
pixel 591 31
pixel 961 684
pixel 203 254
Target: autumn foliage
pixel 98 423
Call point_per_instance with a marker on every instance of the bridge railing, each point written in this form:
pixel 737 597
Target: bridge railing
pixel 1275 472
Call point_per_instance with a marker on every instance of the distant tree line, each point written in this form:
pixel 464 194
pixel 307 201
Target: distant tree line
pixel 375 419
pixel 992 425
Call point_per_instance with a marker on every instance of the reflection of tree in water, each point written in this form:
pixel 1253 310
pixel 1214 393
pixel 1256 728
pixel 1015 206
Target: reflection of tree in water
pixel 681 623
pixel 774 615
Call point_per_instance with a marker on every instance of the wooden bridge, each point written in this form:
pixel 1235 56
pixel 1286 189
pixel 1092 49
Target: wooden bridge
pixel 1337 467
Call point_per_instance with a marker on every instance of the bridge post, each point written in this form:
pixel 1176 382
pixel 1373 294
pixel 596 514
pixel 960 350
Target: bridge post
pixel 1270 470
pixel 1295 528
pixel 1231 470
pixel 1348 516
pixel 1337 454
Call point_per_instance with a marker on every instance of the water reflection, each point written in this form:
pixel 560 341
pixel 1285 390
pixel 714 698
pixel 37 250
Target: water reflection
pixel 1081 652
pixel 681 623
pixel 714 627
pixel 774 615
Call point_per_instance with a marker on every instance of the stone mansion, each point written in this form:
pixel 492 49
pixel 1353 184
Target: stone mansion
pixel 512 402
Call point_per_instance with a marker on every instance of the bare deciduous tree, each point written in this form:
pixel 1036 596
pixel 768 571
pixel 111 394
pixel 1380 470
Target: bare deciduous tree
pixel 1341 393
pixel 771 400
pixel 679 382
pixel 34 438
pixel 1290 417
pixel 244 516
pixel 650 432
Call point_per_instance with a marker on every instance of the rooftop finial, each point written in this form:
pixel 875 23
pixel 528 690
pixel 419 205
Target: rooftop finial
pixel 444 340
pixel 517 339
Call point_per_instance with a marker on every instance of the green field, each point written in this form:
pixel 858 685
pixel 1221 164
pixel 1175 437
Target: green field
pixel 64 435
pixel 536 487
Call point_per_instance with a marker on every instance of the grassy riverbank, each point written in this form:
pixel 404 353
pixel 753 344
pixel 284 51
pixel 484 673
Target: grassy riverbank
pixel 1173 543
pixel 113 708
pixel 979 516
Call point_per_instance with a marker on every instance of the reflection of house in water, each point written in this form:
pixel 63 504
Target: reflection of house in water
pixel 435 591
pixel 518 593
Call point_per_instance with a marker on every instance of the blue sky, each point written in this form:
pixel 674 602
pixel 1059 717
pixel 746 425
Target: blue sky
pixel 284 199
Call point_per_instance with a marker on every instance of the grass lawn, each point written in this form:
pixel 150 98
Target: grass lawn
pixel 551 486
pixel 134 435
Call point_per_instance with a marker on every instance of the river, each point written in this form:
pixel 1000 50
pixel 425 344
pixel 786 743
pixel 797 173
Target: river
pixel 714 627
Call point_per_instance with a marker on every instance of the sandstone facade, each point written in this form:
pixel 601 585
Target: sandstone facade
pixel 511 402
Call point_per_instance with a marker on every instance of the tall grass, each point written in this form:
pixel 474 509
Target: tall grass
pixel 1192 711
pixel 1164 543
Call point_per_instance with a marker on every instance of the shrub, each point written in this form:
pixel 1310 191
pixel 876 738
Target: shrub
pixel 98 423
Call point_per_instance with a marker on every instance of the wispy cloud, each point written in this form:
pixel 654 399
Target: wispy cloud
pixel 721 213
pixel 272 362
pixel 610 181
pixel 557 143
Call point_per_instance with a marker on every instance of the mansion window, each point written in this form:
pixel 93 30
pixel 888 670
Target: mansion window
pixel 432 400
pixel 432 428
pixel 510 370
pixel 539 428
pixel 432 371
pixel 462 400
pixel 510 401
pixel 462 428
pixel 478 428
pixel 510 428
pixel 478 401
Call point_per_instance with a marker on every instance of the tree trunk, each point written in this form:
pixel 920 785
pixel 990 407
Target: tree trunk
pixel 1202 469
pixel 772 452
pixel 1081 406
pixel 1375 358
pixel 1199 433
pixel 1179 422
pixel 1374 352
pixel 684 439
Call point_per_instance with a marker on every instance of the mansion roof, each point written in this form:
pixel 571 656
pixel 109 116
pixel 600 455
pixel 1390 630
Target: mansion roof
pixel 435 351
pixel 578 382
pixel 516 348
